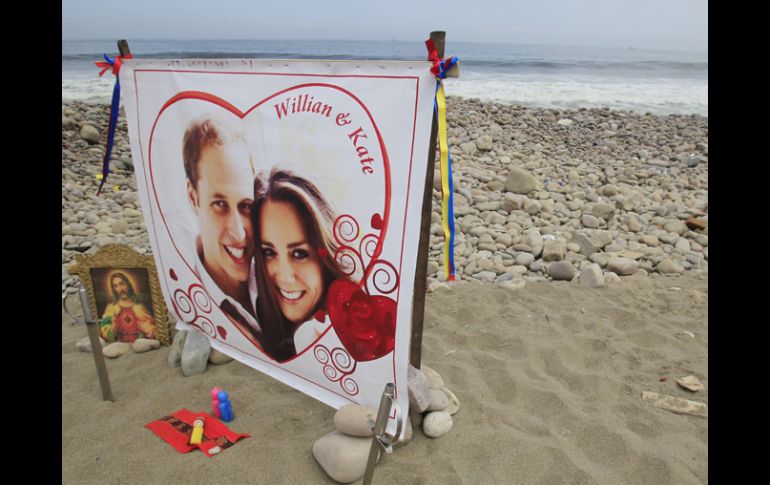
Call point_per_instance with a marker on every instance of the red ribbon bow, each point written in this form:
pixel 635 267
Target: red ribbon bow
pixel 433 57
pixel 115 64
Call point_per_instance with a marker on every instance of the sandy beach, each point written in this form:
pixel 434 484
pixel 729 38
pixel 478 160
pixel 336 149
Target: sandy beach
pixel 549 378
pixel 549 371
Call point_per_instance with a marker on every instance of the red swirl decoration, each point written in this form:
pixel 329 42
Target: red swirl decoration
pixel 193 306
pixel 338 365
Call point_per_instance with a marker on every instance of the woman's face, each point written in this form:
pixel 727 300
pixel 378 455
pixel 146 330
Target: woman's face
pixel 293 266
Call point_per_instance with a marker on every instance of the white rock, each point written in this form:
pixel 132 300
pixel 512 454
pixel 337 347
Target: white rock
pixel 691 383
pixel 592 276
pixel 353 419
pixel 417 384
pixel 342 457
pixel 437 423
pixel 145 344
pixel 623 266
pixel 454 403
pixel 610 277
pixel 116 349
pixel 434 379
pixel 175 352
pixel 84 344
pixel 439 401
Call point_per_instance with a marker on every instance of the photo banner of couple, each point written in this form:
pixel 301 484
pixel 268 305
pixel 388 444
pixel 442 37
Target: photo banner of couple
pixel 283 201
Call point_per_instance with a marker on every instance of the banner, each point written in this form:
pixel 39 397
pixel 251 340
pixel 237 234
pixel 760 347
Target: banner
pixel 283 203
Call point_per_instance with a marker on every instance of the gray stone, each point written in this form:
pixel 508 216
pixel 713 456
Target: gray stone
pixel 342 457
pixel 591 276
pixel 89 134
pixel 468 148
pixel 417 384
pixel 565 122
pixel 433 267
pixel 677 227
pixel 632 223
pixel 683 245
pixel 145 345
pixel 437 423
pixel 175 352
pixel 650 240
pixel 604 211
pixel 218 358
pixel 601 238
pixel 694 160
pixel 484 143
pixel 512 202
pixel 587 248
pixel 116 349
pixel 524 259
pixel 195 354
pixel 610 277
pixel 561 270
pixel 439 401
pixel 353 419
pixel 623 266
pixel 520 182
pixel 532 207
pixel 589 221
pixel 553 251
pixel 668 266
pixel 120 226
pixel 485 275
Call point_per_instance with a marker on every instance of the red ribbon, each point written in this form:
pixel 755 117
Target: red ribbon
pixel 115 65
pixel 433 57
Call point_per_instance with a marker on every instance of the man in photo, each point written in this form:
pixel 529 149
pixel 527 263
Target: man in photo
pixel 220 175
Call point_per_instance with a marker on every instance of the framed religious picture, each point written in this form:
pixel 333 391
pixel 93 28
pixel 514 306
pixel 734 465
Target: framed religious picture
pixel 124 294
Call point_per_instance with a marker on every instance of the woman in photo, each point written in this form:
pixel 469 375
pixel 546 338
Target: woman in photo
pixel 294 259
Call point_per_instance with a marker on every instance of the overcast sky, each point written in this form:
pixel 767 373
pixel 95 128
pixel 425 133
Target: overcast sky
pixel 644 24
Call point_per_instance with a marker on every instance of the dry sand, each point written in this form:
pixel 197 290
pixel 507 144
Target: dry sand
pixel 549 377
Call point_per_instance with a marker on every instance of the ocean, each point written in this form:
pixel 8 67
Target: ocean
pixel 557 77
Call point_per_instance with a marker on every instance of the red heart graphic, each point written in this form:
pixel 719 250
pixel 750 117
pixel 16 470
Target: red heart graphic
pixel 172 273
pixel 366 325
pixel 222 332
pixel 320 316
pixel 376 221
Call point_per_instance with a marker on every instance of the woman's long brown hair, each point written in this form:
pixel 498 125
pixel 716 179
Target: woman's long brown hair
pixel 317 218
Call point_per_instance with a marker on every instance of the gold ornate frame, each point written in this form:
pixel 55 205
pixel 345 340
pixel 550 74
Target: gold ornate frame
pixel 119 256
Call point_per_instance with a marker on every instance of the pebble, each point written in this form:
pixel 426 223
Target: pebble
pixel 84 344
pixel 439 401
pixel 353 419
pixel 175 352
pixel 145 344
pixel 623 266
pixel 434 379
pixel 342 457
pixel 116 349
pixel 195 354
pixel 417 385
pixel 218 358
pixel 437 423
pixel 591 276
pixel 561 270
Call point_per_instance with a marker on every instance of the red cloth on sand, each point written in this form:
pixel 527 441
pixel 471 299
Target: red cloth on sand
pixel 177 428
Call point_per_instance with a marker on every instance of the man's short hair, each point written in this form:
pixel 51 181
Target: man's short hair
pixel 205 132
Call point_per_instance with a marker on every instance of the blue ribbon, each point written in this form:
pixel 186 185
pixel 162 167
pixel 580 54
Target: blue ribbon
pixel 114 111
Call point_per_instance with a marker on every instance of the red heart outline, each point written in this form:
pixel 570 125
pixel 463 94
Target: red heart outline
pixel 365 324
pixel 213 99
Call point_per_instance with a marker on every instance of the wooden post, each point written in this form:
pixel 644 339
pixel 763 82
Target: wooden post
pixel 123 48
pixel 421 272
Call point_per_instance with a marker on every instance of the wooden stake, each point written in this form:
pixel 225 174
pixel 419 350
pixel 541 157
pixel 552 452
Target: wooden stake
pixel 421 272
pixel 123 48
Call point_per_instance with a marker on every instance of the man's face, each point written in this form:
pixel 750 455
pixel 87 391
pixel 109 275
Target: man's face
pixel 120 287
pixel 222 203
